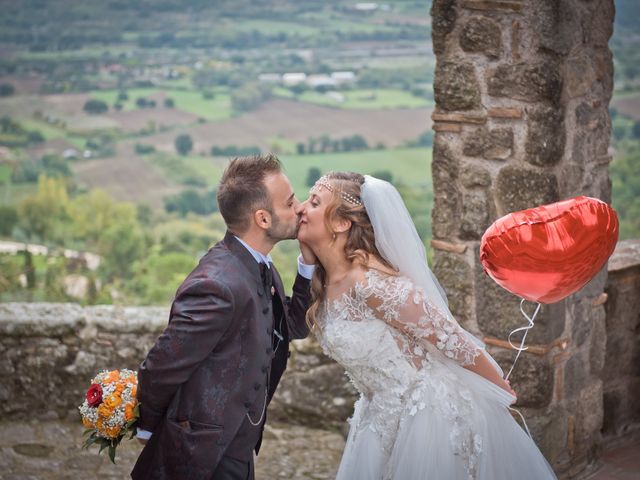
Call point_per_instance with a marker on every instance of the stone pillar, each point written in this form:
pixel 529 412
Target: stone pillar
pixel 522 89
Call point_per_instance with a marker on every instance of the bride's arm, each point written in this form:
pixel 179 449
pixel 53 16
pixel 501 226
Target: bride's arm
pixel 413 314
pixel 483 367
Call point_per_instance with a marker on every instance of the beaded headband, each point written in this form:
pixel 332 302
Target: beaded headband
pixel 323 182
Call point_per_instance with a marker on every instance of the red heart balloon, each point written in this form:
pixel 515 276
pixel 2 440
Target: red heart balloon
pixel 545 254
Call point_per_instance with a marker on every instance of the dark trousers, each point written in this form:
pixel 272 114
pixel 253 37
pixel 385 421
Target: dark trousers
pixel 232 469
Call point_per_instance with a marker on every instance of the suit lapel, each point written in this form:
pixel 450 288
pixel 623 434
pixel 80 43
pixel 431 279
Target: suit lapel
pixel 241 253
pixel 277 283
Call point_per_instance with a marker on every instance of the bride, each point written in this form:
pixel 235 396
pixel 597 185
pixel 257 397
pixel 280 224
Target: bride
pixel 433 403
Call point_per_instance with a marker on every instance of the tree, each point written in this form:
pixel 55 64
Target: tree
pixel 169 103
pixel 619 131
pixel 44 214
pixel 635 131
pixel 191 201
pixel 29 269
pixel 123 96
pixel 8 219
pixel 313 175
pixel 300 148
pixel 358 143
pixel 144 148
pixel 35 136
pixel 94 212
pixel 184 144
pixel 95 107
pixel 325 143
pixel 120 246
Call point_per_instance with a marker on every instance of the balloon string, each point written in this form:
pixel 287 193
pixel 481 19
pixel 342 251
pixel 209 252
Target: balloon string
pixel 521 418
pixel 526 329
pixel 521 349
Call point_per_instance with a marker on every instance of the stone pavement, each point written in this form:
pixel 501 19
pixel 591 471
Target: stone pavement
pixel 50 450
pixel 620 463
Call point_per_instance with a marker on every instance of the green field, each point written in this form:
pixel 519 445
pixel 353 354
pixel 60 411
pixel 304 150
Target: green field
pixel 217 108
pixel 14 194
pixel 47 130
pixel 5 174
pixel 411 166
pixel 271 27
pixel 367 99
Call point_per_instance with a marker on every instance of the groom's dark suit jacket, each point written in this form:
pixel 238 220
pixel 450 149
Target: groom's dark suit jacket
pixel 209 365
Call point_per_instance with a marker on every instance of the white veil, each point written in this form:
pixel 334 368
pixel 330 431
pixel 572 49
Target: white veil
pixel 399 243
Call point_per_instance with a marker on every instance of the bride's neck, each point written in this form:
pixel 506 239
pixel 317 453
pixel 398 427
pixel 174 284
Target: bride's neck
pixel 335 263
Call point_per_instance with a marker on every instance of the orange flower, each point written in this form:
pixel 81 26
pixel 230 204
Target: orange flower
pixel 112 431
pixel 119 388
pixel 128 411
pixel 100 424
pixel 112 401
pixel 104 410
pixel 113 376
pixel 134 391
pixel 87 423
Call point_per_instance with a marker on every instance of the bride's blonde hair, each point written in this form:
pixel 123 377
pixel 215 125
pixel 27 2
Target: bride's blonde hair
pixel 360 244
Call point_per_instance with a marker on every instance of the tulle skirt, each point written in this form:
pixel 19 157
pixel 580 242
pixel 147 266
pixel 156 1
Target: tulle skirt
pixel 429 445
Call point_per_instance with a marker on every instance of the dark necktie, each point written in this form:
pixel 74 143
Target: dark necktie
pixel 267 277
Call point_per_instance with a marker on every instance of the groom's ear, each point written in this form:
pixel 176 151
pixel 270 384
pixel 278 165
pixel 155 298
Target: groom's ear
pixel 262 218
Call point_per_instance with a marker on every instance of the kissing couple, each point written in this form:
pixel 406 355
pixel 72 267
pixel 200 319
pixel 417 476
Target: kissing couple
pixel 433 403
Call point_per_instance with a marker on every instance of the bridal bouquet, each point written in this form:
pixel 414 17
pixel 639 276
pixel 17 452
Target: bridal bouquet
pixel 110 409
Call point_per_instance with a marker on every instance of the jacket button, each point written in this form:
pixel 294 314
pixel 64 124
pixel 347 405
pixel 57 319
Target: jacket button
pixel 268 331
pixel 256 386
pixel 265 310
pixel 247 404
pixel 260 292
pixel 269 350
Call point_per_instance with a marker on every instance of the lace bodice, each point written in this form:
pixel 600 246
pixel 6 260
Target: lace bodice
pixel 393 344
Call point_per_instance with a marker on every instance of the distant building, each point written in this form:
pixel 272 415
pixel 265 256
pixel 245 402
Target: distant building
pixel 270 77
pixel 366 7
pixel 315 81
pixel 70 153
pixel 289 79
pixel 343 77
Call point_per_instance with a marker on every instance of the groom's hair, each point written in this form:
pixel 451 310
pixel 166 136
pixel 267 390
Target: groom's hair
pixel 242 189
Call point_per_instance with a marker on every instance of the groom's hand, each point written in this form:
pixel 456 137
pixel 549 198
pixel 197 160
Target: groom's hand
pixel 308 256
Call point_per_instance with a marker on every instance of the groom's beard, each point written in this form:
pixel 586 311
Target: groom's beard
pixel 282 231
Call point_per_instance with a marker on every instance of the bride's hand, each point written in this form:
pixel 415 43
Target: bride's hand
pixel 308 257
pixel 507 387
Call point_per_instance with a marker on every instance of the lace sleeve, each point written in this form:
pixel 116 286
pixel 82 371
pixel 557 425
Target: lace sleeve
pixel 401 304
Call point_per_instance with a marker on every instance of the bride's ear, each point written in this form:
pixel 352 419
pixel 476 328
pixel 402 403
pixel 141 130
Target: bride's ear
pixel 341 225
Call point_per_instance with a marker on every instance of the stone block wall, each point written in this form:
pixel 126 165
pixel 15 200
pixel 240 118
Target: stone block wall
pixel 621 373
pixel 522 91
pixel 51 351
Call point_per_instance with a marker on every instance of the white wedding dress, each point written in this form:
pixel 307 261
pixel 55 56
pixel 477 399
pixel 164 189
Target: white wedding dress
pixel 420 414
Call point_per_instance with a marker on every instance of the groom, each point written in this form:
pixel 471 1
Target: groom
pixel 206 383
